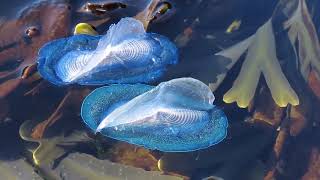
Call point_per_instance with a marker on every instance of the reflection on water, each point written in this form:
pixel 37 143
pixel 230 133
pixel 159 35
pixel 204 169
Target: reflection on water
pixel 42 134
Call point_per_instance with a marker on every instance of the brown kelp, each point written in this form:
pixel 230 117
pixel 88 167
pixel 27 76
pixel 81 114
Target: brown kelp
pixel 72 100
pixel 22 37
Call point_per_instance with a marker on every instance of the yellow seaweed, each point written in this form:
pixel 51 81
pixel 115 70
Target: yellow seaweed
pixel 85 28
pixel 233 53
pixel 301 28
pixel 49 148
pixel 261 58
pixel 234 26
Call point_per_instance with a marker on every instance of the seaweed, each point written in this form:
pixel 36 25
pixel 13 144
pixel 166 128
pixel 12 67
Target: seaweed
pixel 261 58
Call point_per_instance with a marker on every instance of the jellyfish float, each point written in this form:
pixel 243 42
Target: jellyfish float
pixel 175 116
pixel 126 54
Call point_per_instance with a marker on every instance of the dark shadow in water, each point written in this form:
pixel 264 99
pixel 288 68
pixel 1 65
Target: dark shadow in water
pixel 22 108
pixel 221 160
pixel 10 142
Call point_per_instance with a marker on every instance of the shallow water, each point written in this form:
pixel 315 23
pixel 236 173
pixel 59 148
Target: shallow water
pixel 264 141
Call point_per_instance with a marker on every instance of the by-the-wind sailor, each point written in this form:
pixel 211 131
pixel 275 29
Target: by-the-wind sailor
pixel 126 54
pixel 175 116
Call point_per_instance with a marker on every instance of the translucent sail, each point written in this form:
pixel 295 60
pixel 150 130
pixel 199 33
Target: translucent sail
pixel 185 99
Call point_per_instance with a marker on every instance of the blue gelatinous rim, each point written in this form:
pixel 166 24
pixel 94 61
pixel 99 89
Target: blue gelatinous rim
pixel 103 100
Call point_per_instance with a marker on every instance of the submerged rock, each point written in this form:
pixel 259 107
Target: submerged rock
pixel 79 166
pixel 17 169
